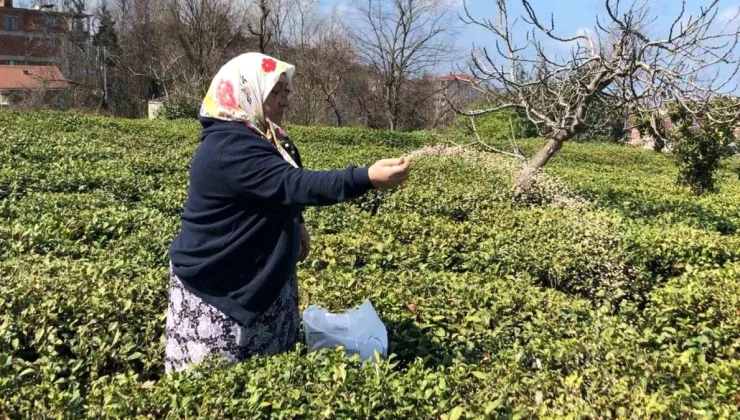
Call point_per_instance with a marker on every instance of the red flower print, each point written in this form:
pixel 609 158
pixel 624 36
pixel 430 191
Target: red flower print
pixel 225 94
pixel 268 65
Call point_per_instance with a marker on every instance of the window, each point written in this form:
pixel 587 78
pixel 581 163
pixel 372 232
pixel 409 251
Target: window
pixel 11 23
pixel 51 20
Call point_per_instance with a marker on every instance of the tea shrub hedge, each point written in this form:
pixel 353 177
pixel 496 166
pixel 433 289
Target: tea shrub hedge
pixel 617 296
pixel 497 126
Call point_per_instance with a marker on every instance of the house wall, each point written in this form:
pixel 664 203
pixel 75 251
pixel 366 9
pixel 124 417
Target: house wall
pixel 459 92
pixel 36 37
pixel 646 141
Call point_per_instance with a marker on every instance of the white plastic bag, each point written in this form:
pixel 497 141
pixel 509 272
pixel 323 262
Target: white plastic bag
pixel 359 331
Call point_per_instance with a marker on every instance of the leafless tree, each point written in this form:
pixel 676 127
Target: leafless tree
pixel 170 48
pixel 326 61
pixel 206 32
pixel 303 22
pixel 280 20
pixel 173 48
pixel 401 39
pixel 619 59
pixel 137 23
pixel 260 24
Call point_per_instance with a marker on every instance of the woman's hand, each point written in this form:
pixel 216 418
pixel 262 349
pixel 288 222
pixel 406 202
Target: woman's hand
pixel 389 173
pixel 305 243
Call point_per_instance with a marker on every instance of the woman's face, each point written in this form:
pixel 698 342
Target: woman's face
pixel 277 101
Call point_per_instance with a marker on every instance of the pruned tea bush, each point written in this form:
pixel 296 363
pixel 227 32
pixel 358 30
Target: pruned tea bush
pixel 616 294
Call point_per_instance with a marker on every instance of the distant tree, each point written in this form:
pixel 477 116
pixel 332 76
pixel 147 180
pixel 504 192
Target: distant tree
pixel 326 62
pixel 618 60
pixel 106 35
pixel 702 136
pixel 400 40
pixel 259 23
pixel 207 35
pixel 105 41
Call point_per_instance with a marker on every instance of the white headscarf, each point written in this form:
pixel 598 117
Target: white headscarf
pixel 239 89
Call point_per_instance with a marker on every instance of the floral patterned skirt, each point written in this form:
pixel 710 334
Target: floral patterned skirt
pixel 196 329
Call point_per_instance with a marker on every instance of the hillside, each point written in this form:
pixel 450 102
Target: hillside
pixel 613 293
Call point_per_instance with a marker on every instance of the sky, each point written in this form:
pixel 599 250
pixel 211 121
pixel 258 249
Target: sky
pixel 571 17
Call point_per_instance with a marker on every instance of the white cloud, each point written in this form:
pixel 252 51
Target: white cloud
pixel 563 50
pixel 582 32
pixel 729 14
pixel 342 9
pixel 339 9
pixel 458 4
pixel 586 32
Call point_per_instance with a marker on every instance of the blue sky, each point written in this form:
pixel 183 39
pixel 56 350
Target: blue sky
pixel 571 17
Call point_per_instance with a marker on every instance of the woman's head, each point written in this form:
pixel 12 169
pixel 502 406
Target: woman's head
pixel 250 88
pixel 277 100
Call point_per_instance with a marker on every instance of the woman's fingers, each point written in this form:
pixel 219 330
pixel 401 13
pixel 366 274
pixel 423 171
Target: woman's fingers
pixel 401 161
pixel 391 162
pixel 389 173
pixel 400 171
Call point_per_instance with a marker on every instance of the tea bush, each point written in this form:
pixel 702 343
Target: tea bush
pixel 349 136
pixel 180 108
pixel 616 296
pixel 496 126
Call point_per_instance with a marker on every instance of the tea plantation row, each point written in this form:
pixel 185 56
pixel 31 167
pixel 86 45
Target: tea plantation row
pixel 617 295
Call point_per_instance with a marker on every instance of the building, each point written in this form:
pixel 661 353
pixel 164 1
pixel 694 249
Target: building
pixel 19 83
pixel 459 89
pixel 646 140
pixel 34 36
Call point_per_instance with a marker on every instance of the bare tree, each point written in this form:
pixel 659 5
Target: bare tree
pixel 401 39
pixel 327 61
pixel 136 24
pixel 259 23
pixel 618 60
pixel 171 48
pixel 280 22
pixel 206 32
pixel 303 22
pixel 300 31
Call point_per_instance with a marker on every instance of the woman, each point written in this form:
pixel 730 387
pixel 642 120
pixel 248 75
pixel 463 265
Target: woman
pixel 233 286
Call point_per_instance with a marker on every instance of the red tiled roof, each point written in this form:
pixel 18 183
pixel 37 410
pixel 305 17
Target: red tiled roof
pixel 456 76
pixel 31 77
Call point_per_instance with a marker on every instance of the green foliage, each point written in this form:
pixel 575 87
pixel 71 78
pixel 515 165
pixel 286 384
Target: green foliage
pixel 106 37
pixel 618 296
pixel 494 127
pixel 699 151
pixel 350 136
pixel 605 122
pixel 180 108
pixel 655 126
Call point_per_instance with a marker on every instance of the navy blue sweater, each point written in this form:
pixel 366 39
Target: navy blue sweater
pixel 240 235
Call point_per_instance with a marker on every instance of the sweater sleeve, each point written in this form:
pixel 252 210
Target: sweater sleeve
pixel 254 169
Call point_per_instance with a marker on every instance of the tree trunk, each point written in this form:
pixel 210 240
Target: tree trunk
pixel 338 115
pixel 527 175
pixel 333 104
pixel 658 143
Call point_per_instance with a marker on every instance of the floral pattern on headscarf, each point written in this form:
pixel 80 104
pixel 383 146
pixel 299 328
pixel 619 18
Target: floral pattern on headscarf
pixel 240 88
